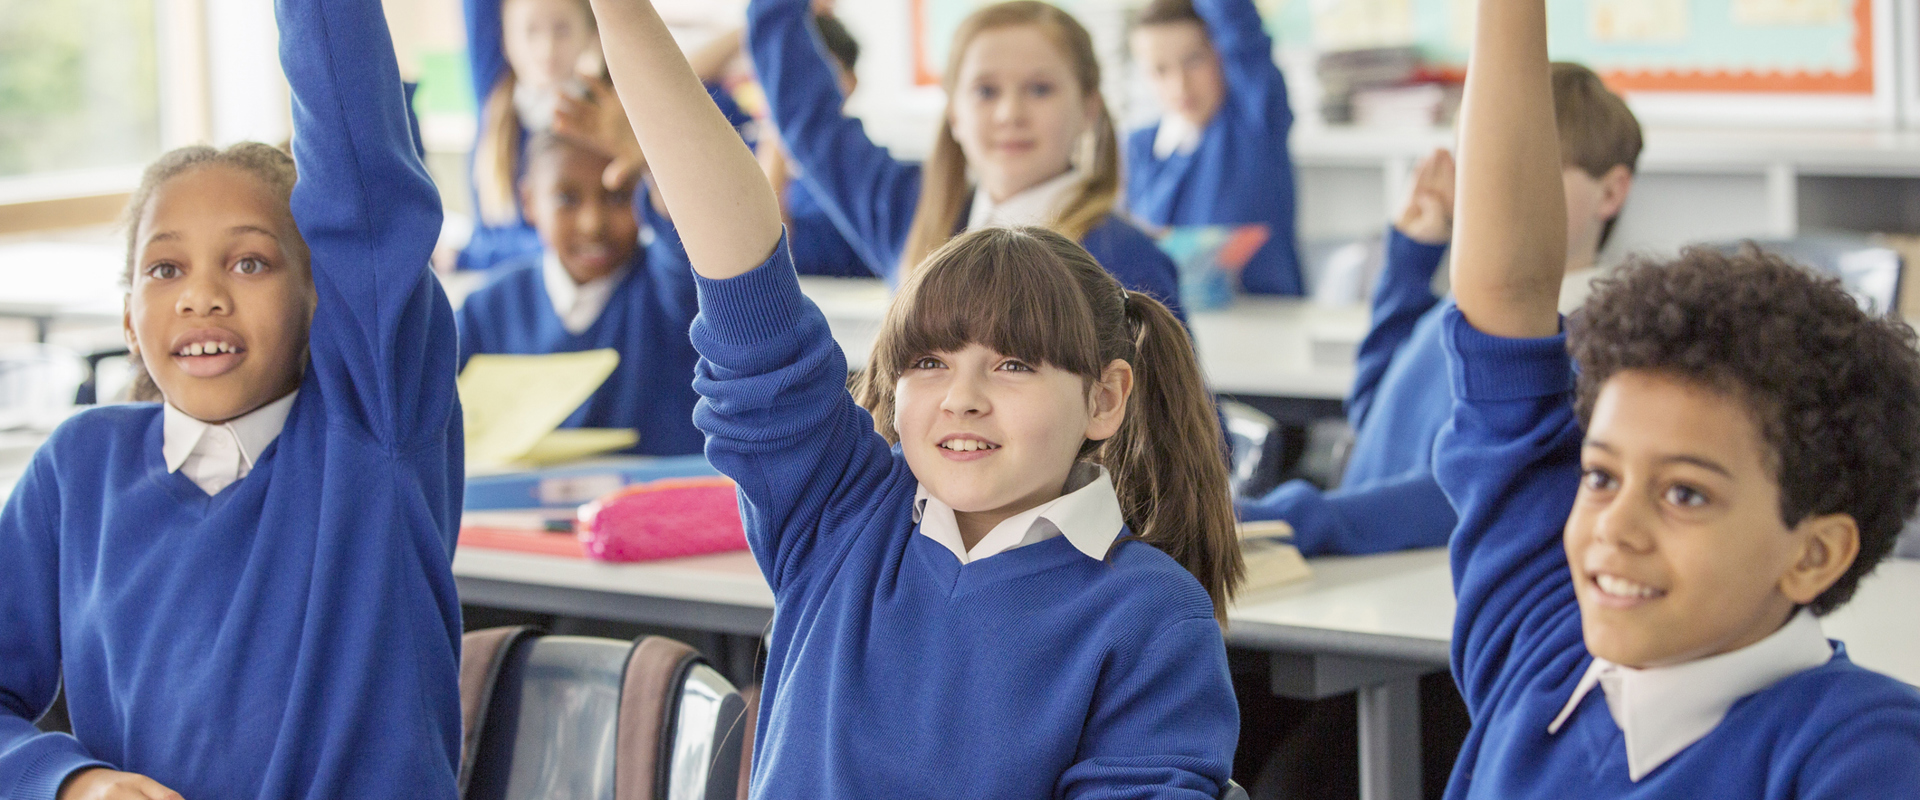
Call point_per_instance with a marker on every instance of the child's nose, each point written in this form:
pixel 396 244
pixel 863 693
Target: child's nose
pixel 204 294
pixel 965 397
pixel 1625 523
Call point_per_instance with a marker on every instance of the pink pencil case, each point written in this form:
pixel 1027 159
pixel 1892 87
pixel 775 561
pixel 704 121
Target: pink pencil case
pixel 663 519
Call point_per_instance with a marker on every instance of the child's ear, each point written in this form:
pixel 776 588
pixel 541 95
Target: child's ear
pixel 126 326
pixel 1829 545
pixel 1614 187
pixel 1109 400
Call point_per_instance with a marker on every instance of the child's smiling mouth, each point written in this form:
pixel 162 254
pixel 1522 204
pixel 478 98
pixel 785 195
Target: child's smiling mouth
pixel 1613 591
pixel 965 447
pixel 208 352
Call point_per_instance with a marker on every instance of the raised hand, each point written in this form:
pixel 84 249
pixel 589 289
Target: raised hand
pixel 598 121
pixel 1427 217
pixel 101 783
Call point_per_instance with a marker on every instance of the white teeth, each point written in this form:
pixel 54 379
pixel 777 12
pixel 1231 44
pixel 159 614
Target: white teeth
pixel 1621 587
pixel 965 445
pixel 206 349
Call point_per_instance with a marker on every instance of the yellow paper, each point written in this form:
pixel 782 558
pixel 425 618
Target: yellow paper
pixel 512 401
pixel 1271 558
pixel 570 444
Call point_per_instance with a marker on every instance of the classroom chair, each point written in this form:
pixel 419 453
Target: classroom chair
pixel 585 717
pixel 1868 271
pixel 1248 430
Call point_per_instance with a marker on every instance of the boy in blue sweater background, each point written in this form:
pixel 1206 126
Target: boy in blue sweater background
pixel 596 287
pixel 1219 154
pixel 1650 530
pixel 245 589
pixel 1387 498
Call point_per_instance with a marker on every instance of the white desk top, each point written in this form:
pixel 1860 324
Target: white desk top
pixel 1259 346
pixel 1670 149
pixel 1403 601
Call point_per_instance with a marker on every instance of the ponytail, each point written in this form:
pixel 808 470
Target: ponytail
pixel 1033 294
pixel 1168 459
pixel 496 156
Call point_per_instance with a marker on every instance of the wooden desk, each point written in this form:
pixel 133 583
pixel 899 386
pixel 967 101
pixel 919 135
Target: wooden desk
pixel 1259 346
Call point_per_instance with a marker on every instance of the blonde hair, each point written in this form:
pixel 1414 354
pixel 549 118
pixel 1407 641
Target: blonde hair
pixel 944 190
pixel 1034 294
pixel 270 165
pixel 497 150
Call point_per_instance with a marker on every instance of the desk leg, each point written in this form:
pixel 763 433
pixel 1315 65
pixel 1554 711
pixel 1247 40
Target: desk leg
pixel 1390 740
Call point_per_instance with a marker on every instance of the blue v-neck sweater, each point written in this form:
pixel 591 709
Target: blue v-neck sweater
pixel 1387 498
pixel 1240 172
pixel 296 635
pixel 868 194
pixel 1510 461
pixel 645 321
pixel 895 671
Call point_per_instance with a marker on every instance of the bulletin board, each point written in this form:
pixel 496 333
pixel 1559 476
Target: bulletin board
pixel 1802 47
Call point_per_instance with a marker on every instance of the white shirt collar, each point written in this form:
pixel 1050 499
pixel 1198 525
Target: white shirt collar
pixel 1177 134
pixel 1088 514
pixel 578 304
pixel 215 454
pixel 1662 710
pixel 1037 205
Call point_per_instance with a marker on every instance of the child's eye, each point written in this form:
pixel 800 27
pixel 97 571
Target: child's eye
pixel 163 271
pixel 250 266
pixel 1040 89
pixel 925 362
pixel 1598 480
pixel 1015 365
pixel 985 92
pixel 566 199
pixel 1685 496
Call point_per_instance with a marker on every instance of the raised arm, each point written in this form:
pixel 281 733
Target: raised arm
pixel 1246 57
pixel 486 55
pixel 1510 459
pixel 774 402
pixel 383 339
pixel 869 195
pixel 721 205
pixel 1510 231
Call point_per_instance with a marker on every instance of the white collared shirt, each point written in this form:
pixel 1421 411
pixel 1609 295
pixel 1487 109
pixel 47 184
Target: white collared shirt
pixel 215 454
pixel 1662 710
pixel 1176 135
pixel 1039 204
pixel 578 304
pixel 1088 514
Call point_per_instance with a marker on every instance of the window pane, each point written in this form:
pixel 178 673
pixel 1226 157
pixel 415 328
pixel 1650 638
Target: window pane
pixel 78 84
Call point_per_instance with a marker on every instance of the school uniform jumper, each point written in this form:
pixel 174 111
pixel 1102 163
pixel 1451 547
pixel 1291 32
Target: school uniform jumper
pixel 1388 498
pixel 297 634
pixel 645 320
pixel 894 670
pixel 868 194
pixel 818 246
pixel 1239 172
pixel 1510 461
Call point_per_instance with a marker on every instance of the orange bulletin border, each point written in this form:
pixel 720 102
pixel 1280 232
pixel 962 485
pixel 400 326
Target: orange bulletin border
pixel 1859 81
pixel 924 73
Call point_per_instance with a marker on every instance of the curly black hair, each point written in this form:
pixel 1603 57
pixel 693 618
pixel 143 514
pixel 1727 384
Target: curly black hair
pixel 1835 390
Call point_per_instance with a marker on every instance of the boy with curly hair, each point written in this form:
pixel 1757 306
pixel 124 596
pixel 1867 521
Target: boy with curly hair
pixel 1644 551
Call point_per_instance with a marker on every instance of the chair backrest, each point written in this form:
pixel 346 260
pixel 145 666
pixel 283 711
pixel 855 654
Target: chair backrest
pixel 1248 429
pixel 595 719
pixel 1868 271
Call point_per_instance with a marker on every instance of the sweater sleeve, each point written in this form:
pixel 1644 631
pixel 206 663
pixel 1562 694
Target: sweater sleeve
pixel 1246 56
pixel 32 764
pixel 869 195
pixel 778 419
pixel 1381 517
pixel 486 52
pixel 1510 462
pixel 1404 294
pixel 383 342
pixel 1164 722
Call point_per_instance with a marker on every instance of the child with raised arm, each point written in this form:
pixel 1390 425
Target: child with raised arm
pixel 1218 154
pixel 1651 529
pixel 1387 498
pixel 245 589
pixel 1026 139
pixel 1019 576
